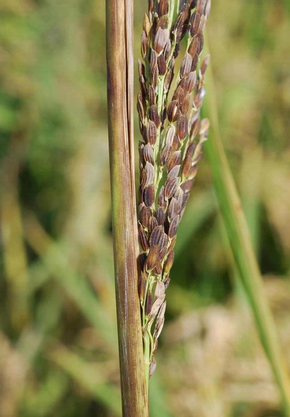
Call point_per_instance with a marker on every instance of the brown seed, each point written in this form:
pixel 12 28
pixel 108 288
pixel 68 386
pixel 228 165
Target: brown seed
pixel 150 5
pixel 151 132
pixel 170 135
pixel 148 303
pixel 185 200
pixel 155 74
pixel 186 65
pixel 201 42
pixel 170 187
pixel 165 154
pixel 162 310
pixel 153 60
pixel 161 198
pixel 158 328
pixel 179 94
pixel 142 237
pixel 190 150
pixel 163 253
pixel 141 68
pixel 143 179
pixel 173 209
pixel 147 153
pixel 173 227
pixel 204 64
pixel 179 195
pixel 156 237
pixel 202 24
pixel 149 169
pixel 160 216
pixel 141 261
pixel 159 289
pixel 143 86
pixel 192 172
pixel 161 64
pixel 168 79
pixel 190 81
pixel 162 22
pixel 152 258
pixel 194 128
pixel 167 50
pixel 179 25
pixel 140 107
pixel 198 99
pixel 174 172
pixel 156 305
pixel 174 159
pixel 187 185
pixel 186 167
pixel 194 23
pixel 163 7
pixel 172 111
pixel 160 40
pixel 151 95
pixel 153 115
pixel 200 6
pixel 158 269
pixel 182 127
pixel 152 224
pixel 148 195
pixel 159 322
pixel 175 143
pixel 144 215
pixel 193 49
pixel 169 262
pixel 185 105
pixel 144 43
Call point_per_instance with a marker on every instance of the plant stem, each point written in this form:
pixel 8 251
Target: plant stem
pixel 147 343
pixel 120 107
pixel 242 249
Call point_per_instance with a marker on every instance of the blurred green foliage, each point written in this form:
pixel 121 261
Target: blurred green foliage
pixel 58 352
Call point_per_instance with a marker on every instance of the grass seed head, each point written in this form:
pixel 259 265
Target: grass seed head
pixel 173 136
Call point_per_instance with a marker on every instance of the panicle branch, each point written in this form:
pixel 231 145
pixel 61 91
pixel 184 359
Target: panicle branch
pixel 173 134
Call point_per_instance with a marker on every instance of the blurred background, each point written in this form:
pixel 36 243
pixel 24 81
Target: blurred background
pixel 58 351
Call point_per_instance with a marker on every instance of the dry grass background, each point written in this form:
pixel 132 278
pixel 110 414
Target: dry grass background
pixel 58 351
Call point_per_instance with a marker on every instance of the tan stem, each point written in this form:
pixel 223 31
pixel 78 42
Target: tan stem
pixel 124 218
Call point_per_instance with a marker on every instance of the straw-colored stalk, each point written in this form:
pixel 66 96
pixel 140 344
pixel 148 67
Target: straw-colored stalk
pixel 120 99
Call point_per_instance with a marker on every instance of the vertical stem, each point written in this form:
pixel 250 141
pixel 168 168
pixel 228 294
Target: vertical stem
pixel 147 358
pixel 243 251
pixel 120 108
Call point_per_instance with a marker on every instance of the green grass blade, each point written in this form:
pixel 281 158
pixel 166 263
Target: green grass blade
pixel 88 376
pixel 53 258
pixel 242 248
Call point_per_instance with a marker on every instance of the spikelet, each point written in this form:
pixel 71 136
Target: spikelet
pixel 173 137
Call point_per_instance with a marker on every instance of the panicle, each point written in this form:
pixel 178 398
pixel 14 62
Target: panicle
pixel 173 138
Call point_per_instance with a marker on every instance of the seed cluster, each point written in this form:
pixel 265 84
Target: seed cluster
pixel 173 136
